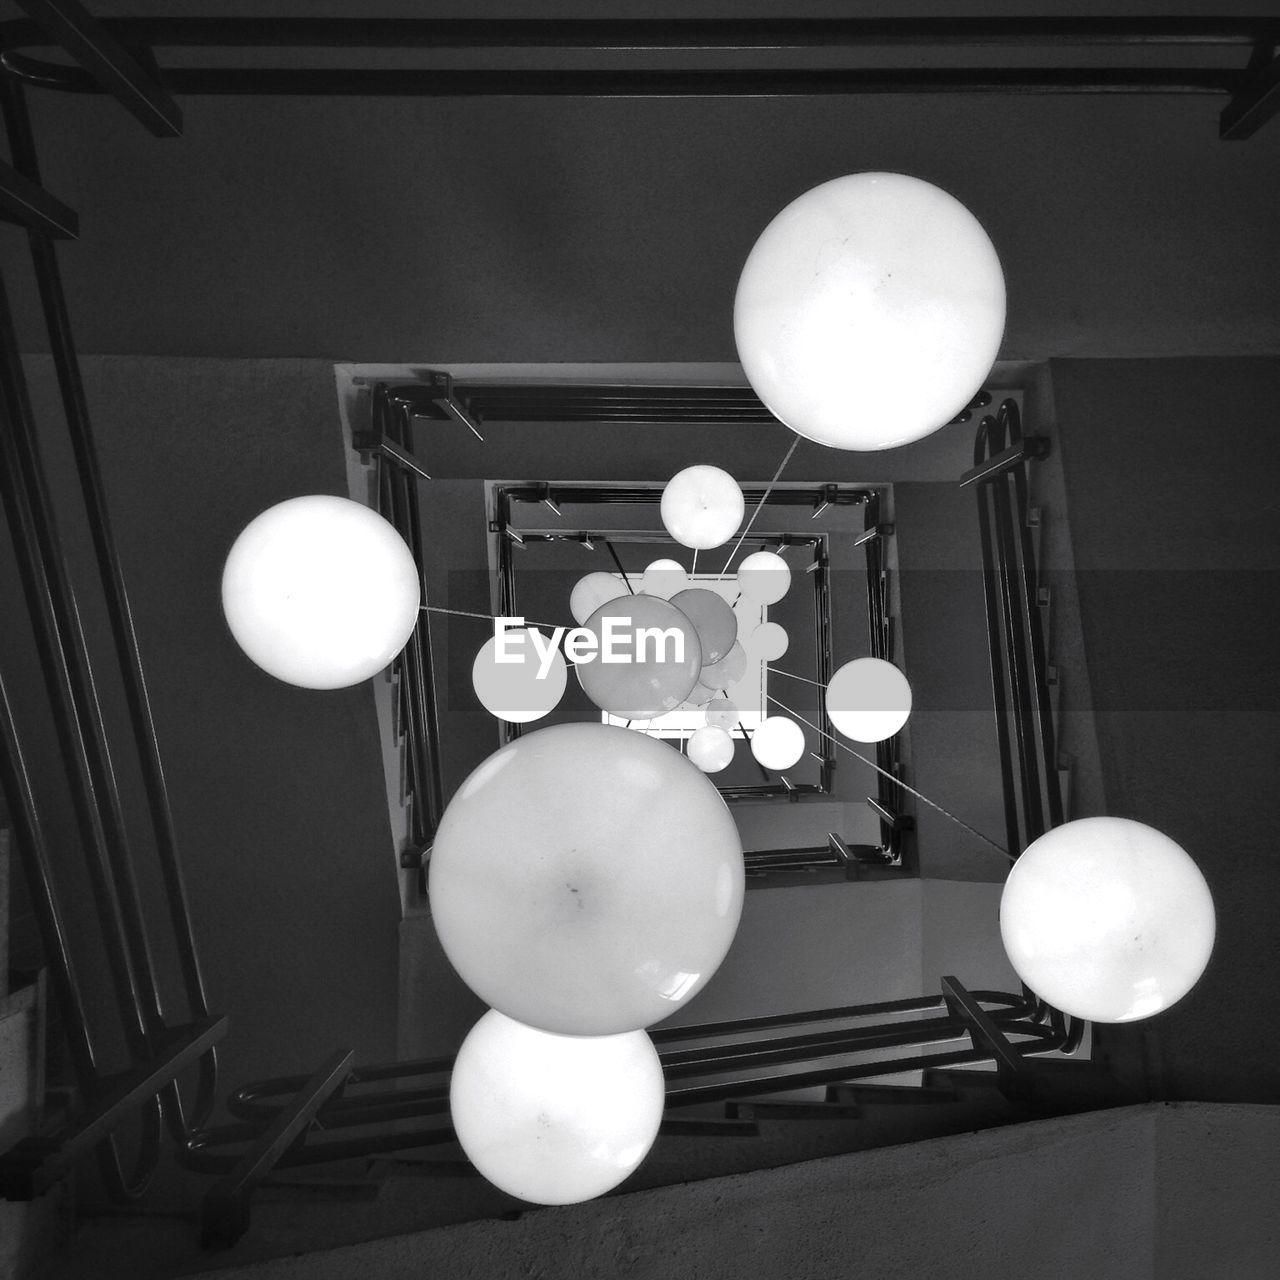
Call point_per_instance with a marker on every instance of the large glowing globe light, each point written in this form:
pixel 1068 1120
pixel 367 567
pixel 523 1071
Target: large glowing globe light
pixel 586 880
pixel 1107 919
pixel 554 1119
pixel 320 592
pixel 869 311
pixel 702 507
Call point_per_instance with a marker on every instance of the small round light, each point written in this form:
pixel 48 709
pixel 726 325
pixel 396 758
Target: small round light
pixel 586 880
pixel 526 689
pixel 712 618
pixel 699 696
pixel 727 672
pixel 1107 919
pixel 778 742
pixel 764 577
pixel 868 700
pixel 320 592
pixel 591 592
pixel 702 507
pixel 711 749
pixel 869 311
pixel 768 642
pixel 664 579
pixel 722 712
pixel 554 1119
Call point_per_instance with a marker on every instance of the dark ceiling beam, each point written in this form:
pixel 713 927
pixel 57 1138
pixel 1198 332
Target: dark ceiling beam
pixel 22 201
pixel 721 34
pixel 108 62
pixel 1255 102
pixel 661 83
pixel 103 51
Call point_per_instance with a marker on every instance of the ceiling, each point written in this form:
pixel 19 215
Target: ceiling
pixel 571 229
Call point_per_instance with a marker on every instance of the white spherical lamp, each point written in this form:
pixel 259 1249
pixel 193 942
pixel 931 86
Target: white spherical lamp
pixel 702 507
pixel 868 700
pixel 711 749
pixel 1107 919
pixel 723 712
pixel 768 641
pixel 591 592
pixel 727 672
pixel 778 742
pixel 525 685
pixel 321 592
pixel 586 880
pixel 869 311
pixel 554 1119
pixel 764 576
pixel 664 578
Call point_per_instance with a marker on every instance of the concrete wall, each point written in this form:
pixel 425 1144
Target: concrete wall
pixel 1171 471
pixel 277 797
pixel 1116 1195
pixel 542 229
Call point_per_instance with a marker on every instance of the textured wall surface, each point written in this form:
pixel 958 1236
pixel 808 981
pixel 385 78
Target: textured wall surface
pixel 1171 470
pixel 1141 1192
pixel 277 798
pixel 1003 1203
pixel 544 229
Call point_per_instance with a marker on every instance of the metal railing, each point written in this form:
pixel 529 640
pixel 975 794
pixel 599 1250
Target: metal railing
pixel 1025 734
pixel 341 1111
pixel 157 1046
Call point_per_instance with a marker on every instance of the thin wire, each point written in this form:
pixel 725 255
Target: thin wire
pixel 694 570
pixel 817 684
pixel 488 617
pixel 621 570
pixel 919 795
pixel 760 505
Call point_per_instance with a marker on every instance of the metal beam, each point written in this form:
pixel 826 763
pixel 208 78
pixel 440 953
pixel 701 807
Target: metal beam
pixel 109 63
pixel 225 1212
pixel 1254 103
pixel 22 201
pixel 631 82
pixel 983 1031
pixel 720 34
pixel 34 1164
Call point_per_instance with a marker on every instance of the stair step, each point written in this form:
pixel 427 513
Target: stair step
pixel 1054 1084
pixel 893 1094
pixel 22 1022
pixel 792 1110
pixel 708 1127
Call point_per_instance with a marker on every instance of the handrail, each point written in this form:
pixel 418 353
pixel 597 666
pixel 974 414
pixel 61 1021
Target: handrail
pixel 82 736
pixel 709 1063
pixel 1023 711
pixel 389 442
pixel 1025 733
